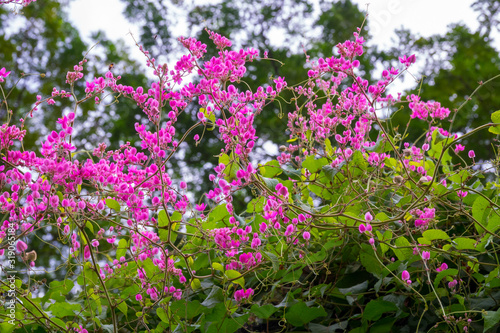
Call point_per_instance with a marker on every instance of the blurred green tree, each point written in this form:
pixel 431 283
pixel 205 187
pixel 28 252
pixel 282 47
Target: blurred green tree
pixel 282 29
pixel 455 64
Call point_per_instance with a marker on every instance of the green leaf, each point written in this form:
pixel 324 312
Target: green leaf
pixel 375 309
pixel 113 204
pixel 433 234
pixel 437 146
pixel 65 309
pixel 387 236
pixel 460 177
pixel 494 223
pixel 403 251
pixel 331 172
pixel 263 312
pixel 328 147
pixel 318 328
pixel 479 207
pixel 195 284
pixel 186 309
pixel 162 315
pixel 201 262
pixel 108 328
pixel 381 146
pixel 358 160
pixel 270 169
pixel 211 119
pixel 293 275
pixel 58 290
pixel 314 165
pixel 123 308
pixel 291 172
pixel 270 182
pixel 300 314
pixel 215 297
pixel 121 251
pixel 89 226
pixel 56 321
pixel 495 117
pixel 217 266
pixel 356 289
pixel 462 243
pixel 6 327
pixel 256 205
pixel 236 277
pixel 231 166
pixel 369 261
pixel 383 325
pixel 163 223
pixel 491 319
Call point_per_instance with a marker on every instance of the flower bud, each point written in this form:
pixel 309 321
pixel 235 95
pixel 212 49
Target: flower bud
pixel 30 256
pixel 398 180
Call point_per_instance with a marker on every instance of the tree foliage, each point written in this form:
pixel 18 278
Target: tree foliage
pixel 352 227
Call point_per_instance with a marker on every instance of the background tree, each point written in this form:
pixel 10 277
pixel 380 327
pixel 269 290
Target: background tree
pixel 305 28
pixel 42 33
pixel 39 45
pixel 454 65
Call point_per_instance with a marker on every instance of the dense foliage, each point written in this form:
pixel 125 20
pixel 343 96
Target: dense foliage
pixel 353 227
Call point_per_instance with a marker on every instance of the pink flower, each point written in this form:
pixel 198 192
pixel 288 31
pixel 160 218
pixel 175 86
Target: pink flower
pixel 86 252
pixel 183 185
pixel 242 294
pixel 371 241
pixel 100 205
pixel 426 255
pixel 407 61
pixel 459 148
pixel 443 267
pixel 3 74
pixel 21 246
pixel 368 217
pixel 462 194
pixel 405 276
pixel 306 235
pixel 472 154
pixel 200 207
pixel 138 297
pixel 362 228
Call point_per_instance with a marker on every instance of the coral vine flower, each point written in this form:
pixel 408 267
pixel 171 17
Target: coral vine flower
pixel 21 246
pixel 405 276
pixel 242 294
pixel 368 217
pixel 201 207
pixel 3 74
